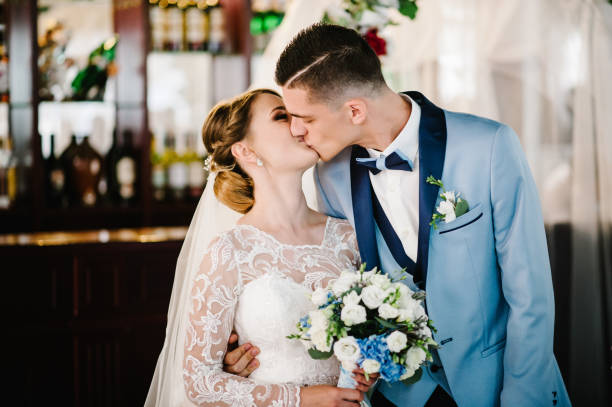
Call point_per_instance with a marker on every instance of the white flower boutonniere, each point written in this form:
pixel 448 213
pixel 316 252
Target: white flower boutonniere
pixel 450 208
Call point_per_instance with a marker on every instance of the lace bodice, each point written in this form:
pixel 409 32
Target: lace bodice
pixel 251 282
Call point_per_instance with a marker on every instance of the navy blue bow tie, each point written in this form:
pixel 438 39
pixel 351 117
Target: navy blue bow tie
pixel 391 162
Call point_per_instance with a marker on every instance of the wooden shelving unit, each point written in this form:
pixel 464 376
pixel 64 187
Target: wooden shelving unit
pixel 130 20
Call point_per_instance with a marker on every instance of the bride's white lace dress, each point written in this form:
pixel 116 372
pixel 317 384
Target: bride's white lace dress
pixel 251 282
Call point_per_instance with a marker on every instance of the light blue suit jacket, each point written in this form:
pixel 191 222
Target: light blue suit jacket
pixel 487 273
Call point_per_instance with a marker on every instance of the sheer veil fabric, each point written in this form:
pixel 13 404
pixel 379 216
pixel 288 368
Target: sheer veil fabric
pixel 210 219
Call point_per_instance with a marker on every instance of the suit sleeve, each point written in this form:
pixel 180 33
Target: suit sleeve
pixel 324 204
pixel 522 254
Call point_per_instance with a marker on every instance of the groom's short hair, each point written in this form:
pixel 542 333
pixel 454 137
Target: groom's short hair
pixel 327 60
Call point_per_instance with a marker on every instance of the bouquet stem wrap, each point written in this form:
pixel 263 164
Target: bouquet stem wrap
pixel 346 379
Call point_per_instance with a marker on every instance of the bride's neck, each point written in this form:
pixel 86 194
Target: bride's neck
pixel 279 203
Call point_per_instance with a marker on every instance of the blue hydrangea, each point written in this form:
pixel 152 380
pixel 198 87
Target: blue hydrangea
pixel 330 301
pixel 305 322
pixel 375 347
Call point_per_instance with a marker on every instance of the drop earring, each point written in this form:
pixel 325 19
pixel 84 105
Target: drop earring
pixel 259 162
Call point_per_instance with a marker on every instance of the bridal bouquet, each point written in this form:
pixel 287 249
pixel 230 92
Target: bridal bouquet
pixel 368 321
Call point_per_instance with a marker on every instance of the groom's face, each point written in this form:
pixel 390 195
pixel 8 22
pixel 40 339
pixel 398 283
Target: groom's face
pixel 324 129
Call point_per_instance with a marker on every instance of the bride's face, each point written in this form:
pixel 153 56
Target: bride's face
pixel 270 137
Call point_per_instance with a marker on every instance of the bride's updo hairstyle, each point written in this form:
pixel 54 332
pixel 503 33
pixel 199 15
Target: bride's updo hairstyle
pixel 226 124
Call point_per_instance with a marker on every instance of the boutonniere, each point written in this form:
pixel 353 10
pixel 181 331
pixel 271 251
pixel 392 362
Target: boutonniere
pixel 451 206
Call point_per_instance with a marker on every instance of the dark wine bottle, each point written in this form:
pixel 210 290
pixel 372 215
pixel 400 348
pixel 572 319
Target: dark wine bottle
pixel 55 178
pixel 123 165
pixel 66 164
pixel 84 167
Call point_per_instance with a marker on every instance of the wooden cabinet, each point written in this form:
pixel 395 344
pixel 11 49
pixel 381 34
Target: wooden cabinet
pixel 85 323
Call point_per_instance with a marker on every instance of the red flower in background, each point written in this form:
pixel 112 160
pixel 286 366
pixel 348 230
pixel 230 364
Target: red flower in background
pixel 378 44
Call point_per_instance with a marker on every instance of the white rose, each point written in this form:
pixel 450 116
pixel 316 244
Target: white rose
pixel 353 314
pixel 319 340
pixel 367 275
pixel 318 320
pixel 372 296
pixel 319 297
pixel 425 331
pixel 380 280
pixel 370 366
pixel 344 282
pixel 347 352
pixel 397 341
pixel 415 356
pixel 387 311
pixel 450 196
pixel 371 18
pixel 351 299
pixel 405 297
pixel 409 373
pixel 411 310
pixel 448 210
pixel 389 3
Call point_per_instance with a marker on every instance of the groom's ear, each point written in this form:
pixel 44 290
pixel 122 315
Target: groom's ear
pixel 357 110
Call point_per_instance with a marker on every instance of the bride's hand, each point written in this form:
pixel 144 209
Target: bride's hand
pixel 329 396
pixel 240 360
pixel 364 385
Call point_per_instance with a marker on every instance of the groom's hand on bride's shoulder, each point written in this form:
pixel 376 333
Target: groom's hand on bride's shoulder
pixel 240 360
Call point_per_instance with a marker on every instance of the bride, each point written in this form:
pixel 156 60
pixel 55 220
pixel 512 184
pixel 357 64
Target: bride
pixel 253 274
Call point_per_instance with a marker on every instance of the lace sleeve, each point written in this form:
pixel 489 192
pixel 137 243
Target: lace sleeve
pixel 348 237
pixel 214 298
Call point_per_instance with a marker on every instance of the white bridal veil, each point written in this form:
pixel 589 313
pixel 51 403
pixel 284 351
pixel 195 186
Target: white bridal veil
pixel 210 218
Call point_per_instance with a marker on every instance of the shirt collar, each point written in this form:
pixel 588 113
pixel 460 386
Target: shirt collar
pixel 407 141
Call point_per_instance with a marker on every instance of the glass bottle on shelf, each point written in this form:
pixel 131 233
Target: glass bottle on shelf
pixel 4 81
pixel 83 166
pixel 157 19
pixel 8 174
pixel 217 42
pixel 174 39
pixel 158 173
pixel 197 173
pixel 55 179
pixel 196 28
pixel 90 82
pixel 66 163
pixel 122 164
pixel 177 169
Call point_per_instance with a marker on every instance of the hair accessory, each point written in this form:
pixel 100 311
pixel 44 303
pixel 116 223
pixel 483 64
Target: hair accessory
pixel 208 163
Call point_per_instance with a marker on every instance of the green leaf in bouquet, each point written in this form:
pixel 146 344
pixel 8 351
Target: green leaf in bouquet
pixel 386 323
pixel 414 378
pixel 461 207
pixel 318 355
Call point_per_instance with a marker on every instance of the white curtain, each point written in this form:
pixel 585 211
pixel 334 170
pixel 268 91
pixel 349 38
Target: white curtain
pixel 545 68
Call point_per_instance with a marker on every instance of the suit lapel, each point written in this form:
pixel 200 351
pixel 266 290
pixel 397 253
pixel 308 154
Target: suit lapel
pixel 432 149
pixel 362 209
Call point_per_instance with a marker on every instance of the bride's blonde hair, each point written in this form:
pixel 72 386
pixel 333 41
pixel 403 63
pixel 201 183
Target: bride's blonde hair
pixel 226 124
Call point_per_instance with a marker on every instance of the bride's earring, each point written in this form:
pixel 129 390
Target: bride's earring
pixel 259 162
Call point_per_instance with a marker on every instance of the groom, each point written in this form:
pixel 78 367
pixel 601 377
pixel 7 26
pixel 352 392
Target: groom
pixel 486 272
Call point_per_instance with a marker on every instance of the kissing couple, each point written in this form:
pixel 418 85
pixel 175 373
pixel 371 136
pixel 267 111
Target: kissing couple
pixel 255 250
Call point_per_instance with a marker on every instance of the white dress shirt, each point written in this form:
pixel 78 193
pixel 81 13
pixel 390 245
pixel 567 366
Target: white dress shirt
pixel 398 191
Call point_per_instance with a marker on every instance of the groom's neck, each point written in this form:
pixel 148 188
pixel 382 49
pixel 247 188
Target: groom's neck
pixel 387 116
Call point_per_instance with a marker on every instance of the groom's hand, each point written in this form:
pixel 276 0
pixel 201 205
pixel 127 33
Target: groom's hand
pixel 240 360
pixel 363 384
